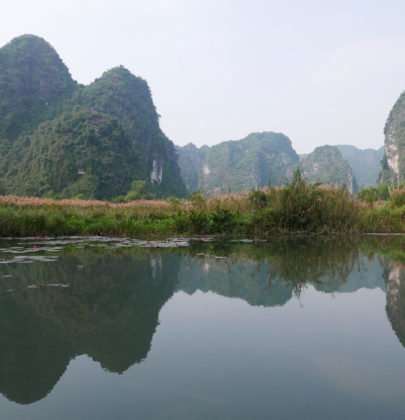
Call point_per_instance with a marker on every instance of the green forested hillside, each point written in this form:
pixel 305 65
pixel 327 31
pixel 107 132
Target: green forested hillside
pixel 80 153
pixel 327 166
pixel 238 165
pixel 128 98
pixel 60 139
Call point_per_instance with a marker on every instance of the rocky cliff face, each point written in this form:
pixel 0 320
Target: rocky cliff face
pixel 394 162
pixel 238 165
pixel 326 165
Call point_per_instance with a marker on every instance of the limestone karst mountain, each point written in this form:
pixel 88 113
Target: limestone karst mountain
pixel 58 138
pixel 327 166
pixel 238 165
pixel 261 158
pixel 394 159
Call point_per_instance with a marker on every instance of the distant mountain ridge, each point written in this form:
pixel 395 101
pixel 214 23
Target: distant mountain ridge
pixel 260 158
pixel 59 138
pixel 238 165
pixel 365 164
pixel 103 141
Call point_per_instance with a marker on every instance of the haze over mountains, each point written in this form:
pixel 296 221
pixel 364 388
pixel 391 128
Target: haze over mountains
pixel 267 158
pixel 238 165
pixel 365 164
pixel 103 141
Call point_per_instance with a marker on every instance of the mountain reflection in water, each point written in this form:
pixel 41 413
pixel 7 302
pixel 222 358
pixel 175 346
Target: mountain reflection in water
pixel 110 310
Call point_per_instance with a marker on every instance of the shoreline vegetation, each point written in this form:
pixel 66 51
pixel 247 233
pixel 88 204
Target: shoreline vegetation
pixel 297 207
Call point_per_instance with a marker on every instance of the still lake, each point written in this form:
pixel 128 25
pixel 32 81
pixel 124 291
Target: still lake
pixel 290 328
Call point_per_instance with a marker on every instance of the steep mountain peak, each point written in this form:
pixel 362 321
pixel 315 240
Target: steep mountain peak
pixel 121 93
pixel 128 98
pixel 33 83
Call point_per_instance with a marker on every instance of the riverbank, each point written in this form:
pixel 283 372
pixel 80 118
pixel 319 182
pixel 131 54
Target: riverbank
pixel 297 207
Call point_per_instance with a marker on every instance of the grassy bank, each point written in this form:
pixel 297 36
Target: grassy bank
pixel 297 207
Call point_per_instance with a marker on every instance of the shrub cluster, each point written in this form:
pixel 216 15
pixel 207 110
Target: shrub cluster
pixel 296 207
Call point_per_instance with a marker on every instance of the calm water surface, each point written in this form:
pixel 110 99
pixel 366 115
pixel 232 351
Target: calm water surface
pixel 285 329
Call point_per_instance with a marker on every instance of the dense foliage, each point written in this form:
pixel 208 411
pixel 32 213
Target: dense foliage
pixel 373 194
pixel 33 84
pixel 101 141
pixel 63 159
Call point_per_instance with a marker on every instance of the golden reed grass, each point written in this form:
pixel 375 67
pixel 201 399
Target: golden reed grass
pixel 138 208
pixel 38 202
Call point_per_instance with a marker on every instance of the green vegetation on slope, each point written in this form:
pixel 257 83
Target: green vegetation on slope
pixel 128 98
pixel 238 165
pixel 62 158
pixel 33 84
pixel 326 165
pixel 101 141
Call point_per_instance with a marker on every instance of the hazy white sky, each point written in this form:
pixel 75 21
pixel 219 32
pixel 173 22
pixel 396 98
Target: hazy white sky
pixel 320 71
